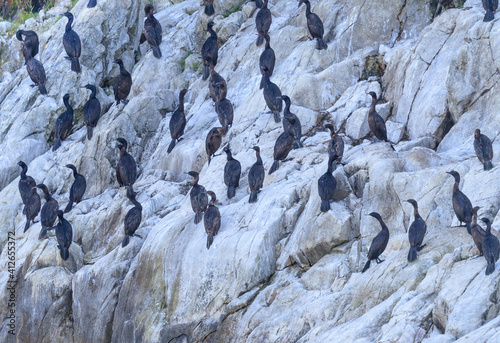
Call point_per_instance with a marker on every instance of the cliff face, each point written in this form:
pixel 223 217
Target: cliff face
pixel 278 271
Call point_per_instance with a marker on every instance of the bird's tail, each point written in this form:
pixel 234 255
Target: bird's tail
pixel 198 217
pixel 171 146
pixel 325 206
pixel 253 197
pixel 92 3
pixel 260 40
pixel 321 45
pixel 64 253
pixel 231 191
pixel 488 165
pixel 43 233
pixel 469 228
pixel 274 167
pixel 297 144
pixel 367 265
pixel 209 159
pixel 156 51
pixel 69 206
pixel 209 9
pixel 489 16
pixel 262 80
pixel 125 241
pixel 57 144
pixel 276 116
pixel 75 65
pixel 490 268
pixel 90 132
pixel 27 226
pixel 412 255
pixel 210 240
pixel 206 72
pixel 42 89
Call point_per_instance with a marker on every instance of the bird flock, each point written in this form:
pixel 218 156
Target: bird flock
pixel 126 169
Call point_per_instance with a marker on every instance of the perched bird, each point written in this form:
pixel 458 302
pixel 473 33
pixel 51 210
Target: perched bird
pixel 490 6
pixel 211 219
pixel 272 95
pixel 72 44
pixel 152 30
pixel 232 173
pixel 263 22
pixel 26 183
pixel 484 149
pixel 256 176
pixel 30 43
pixel 490 247
pixel 315 26
pixel 376 123
pixel 199 198
pixel 297 127
pixel 64 235
pixel 477 231
pixel 92 3
pixel 213 141
pixel 461 204
pixel 64 124
pixel 31 208
pixel 122 85
pixel 283 145
pixel 77 188
pixel 258 3
pixel 91 111
pixel 126 169
pixel 379 243
pixel 48 215
pixel 209 51
pixel 177 122
pixel 132 218
pixel 327 185
pixel 36 71
pixel 267 59
pixel 336 145
pixel 217 86
pixel 416 232
pixel 209 7
pixel 225 112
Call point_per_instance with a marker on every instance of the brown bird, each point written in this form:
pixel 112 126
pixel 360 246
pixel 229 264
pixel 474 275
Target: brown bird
pixel 484 149
pixel 211 219
pixel 477 231
pixel 213 141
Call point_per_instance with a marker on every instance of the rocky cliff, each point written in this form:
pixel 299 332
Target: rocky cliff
pixel 279 270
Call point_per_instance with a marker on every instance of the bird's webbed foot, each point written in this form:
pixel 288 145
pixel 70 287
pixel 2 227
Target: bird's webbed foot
pixel 378 260
pixel 421 247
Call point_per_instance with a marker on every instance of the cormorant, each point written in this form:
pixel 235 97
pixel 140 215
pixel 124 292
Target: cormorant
pixel 416 232
pixel 209 7
pixel 327 185
pixel 31 207
pixel 26 183
pixel 232 173
pixel 211 219
pixel 126 169
pixel 477 231
pixel 379 243
pixel 72 44
pixel 217 86
pixel 209 51
pixel 64 235
pixel 484 149
pixel 92 3
pixel 272 95
pixel 132 218
pixel 267 59
pixel 177 122
pixel 336 145
pixel 375 121
pixel 256 176
pixel 490 6
pixel 490 247
pixel 36 71
pixel 30 43
pixel 258 3
pixel 199 198
pixel 283 145
pixel 225 112
pixel 315 26
pixel 64 124
pixel 213 141
pixel 263 22
pixel 152 30
pixel 297 127
pixel 123 83
pixel 91 111
pixel 461 204
pixel 48 214
pixel 77 188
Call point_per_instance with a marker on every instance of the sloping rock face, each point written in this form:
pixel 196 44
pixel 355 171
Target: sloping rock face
pixel 279 270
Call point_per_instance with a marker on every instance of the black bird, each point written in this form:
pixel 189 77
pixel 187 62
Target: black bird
pixel 297 127
pixel 36 71
pixel 272 95
pixel 123 83
pixel 92 3
pixel 152 30
pixel 209 7
pixel 484 149
pixel 461 204
pixel 490 6
pixel 263 22
pixel 132 218
pixel 213 141
pixel 30 43
pixel 72 44
pixel 416 232
pixel 477 231
pixel 126 169
pixel 232 173
pixel 177 122
pixel 490 247
pixel 77 188
pixel 336 145
pixel 217 86
pixel 26 183
pixel 256 176
pixel 283 145
pixel 315 26
pixel 258 3
pixel 48 215
pixel 375 121
pixel 64 124
pixel 209 51
pixel 327 185
pixel 211 219
pixel 64 235
pixel 267 59
pixel 31 208
pixel 379 243
pixel 199 198
pixel 91 111
pixel 225 112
